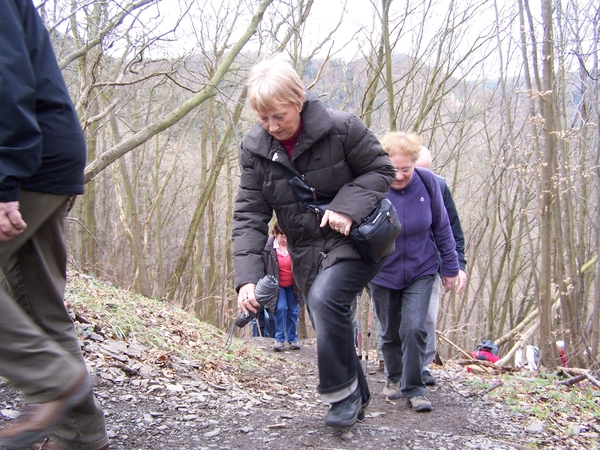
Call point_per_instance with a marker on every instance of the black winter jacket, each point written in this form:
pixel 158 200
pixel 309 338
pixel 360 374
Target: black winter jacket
pixel 336 155
pixel 457 231
pixel 41 143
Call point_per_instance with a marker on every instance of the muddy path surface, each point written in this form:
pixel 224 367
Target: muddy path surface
pixel 178 404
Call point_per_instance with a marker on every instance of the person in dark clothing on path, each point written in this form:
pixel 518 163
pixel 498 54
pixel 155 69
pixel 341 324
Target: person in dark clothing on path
pixel 42 157
pixel 402 289
pixel 298 140
pixel 263 325
pixel 424 161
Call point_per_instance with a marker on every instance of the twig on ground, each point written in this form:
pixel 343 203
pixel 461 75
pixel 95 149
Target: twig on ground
pixel 571 381
pixel 453 345
pixel 592 380
pixel 573 371
pixel 495 384
pixel 477 362
pixel 488 365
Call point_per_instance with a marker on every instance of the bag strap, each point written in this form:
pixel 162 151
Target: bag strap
pixel 429 190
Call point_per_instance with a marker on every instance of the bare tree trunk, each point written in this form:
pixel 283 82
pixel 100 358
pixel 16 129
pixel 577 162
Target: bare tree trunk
pixel 389 81
pixel 203 199
pixel 373 75
pixel 595 106
pixel 131 222
pixel 595 316
pixel 546 191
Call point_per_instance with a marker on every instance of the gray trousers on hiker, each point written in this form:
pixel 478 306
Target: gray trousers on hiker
pixel 431 322
pixel 39 349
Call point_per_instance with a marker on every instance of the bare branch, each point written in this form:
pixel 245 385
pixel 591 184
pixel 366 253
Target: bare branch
pixel 100 163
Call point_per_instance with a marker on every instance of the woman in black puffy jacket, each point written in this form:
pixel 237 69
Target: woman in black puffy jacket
pixel 334 155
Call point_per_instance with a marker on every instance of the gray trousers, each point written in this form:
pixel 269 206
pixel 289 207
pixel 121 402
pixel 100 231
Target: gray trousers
pixel 431 322
pixel 430 325
pixel 402 314
pixel 39 349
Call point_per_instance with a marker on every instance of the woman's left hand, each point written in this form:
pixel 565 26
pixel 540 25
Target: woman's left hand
pixel 340 222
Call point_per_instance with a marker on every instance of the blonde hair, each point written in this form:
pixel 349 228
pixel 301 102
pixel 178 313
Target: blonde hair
pixel 401 143
pixel 273 83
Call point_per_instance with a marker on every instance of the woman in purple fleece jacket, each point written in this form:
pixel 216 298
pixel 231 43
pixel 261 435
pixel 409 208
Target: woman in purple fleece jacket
pixel 402 289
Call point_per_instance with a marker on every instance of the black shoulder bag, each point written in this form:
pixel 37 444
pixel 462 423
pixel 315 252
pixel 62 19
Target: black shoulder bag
pixel 374 238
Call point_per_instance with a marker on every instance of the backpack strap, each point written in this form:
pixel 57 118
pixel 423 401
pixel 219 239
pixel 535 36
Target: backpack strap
pixel 429 189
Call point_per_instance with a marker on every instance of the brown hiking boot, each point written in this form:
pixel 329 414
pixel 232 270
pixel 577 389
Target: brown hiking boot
pixel 47 444
pixel 37 420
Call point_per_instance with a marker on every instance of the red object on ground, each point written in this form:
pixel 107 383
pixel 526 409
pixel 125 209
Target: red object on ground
pixel 485 356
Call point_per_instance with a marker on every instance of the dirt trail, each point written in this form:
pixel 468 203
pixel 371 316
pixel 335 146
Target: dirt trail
pixel 174 406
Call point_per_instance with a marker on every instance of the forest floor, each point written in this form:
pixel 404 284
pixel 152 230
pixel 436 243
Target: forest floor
pixel 168 381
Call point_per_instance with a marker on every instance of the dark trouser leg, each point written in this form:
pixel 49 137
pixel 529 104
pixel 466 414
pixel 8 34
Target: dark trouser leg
pixel 388 306
pixel 293 312
pixel 431 322
pixel 329 301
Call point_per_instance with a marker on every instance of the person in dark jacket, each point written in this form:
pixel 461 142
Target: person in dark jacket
pixel 402 289
pixel 424 161
pixel 263 325
pixel 298 141
pixel 286 305
pixel 42 157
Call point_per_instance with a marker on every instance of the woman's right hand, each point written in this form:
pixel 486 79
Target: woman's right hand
pixel 247 300
pixel 340 222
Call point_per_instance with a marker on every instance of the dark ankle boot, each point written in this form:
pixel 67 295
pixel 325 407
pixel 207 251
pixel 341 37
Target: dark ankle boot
pixel 346 412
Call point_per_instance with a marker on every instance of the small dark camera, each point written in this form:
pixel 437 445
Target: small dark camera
pixel 266 289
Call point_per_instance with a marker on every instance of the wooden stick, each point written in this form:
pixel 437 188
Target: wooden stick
pixel 576 373
pixel 453 345
pixel 495 385
pixel 592 380
pixel 571 381
pixel 477 362
pixel 520 344
pixel 516 330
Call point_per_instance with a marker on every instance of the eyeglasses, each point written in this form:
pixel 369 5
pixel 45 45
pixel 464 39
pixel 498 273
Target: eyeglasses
pixel 404 170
